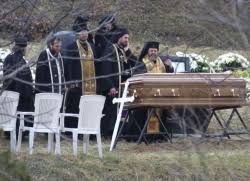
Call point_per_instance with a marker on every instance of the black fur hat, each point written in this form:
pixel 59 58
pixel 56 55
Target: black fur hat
pixel 80 23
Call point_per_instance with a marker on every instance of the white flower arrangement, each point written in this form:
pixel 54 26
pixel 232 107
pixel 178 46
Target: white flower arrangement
pixel 199 58
pixel 196 60
pixel 229 59
pixel 226 62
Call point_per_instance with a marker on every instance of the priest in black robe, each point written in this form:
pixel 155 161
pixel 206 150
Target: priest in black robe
pixel 21 81
pixel 80 71
pixel 117 65
pixel 50 68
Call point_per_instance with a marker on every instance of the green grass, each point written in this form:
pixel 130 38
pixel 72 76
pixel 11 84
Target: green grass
pixel 185 159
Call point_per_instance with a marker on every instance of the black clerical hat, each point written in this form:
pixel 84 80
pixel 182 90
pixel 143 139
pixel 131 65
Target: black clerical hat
pixel 147 45
pixel 80 23
pixel 21 41
pixel 152 44
pixel 121 31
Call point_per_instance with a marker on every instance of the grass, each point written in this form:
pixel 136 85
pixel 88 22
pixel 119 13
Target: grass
pixel 185 159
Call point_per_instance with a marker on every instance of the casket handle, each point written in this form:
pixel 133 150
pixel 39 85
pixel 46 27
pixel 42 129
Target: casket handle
pixel 174 94
pixel 232 92
pixel 217 92
pixel 234 95
pixel 135 93
pixel 169 92
pixel 158 92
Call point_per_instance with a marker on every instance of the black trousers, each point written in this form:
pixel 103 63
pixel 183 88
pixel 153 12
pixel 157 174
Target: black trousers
pixel 72 106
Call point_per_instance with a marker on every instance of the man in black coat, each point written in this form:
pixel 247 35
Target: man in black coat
pixel 80 71
pixel 21 80
pixel 117 65
pixel 50 69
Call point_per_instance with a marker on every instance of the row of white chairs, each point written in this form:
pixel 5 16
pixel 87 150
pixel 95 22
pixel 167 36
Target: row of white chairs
pixel 48 119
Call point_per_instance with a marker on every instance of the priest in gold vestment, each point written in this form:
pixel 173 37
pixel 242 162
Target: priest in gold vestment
pixel 81 70
pixel 195 119
pixel 150 62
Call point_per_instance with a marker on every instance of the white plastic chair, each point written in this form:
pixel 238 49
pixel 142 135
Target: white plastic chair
pixel 89 119
pixel 46 120
pixel 8 109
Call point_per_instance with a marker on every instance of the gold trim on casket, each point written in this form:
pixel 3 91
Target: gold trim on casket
pixel 187 89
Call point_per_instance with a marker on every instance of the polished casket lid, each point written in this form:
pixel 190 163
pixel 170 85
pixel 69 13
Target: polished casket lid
pixel 215 90
pixel 185 77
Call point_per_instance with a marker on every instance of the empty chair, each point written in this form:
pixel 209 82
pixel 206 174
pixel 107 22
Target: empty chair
pixel 8 115
pixel 89 119
pixel 46 120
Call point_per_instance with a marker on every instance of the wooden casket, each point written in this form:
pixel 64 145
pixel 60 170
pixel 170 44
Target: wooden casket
pixel 217 90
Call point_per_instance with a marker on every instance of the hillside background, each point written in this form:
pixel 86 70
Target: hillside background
pixel 221 24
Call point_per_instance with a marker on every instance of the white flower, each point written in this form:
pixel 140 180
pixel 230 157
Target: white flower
pixel 194 58
pixel 212 64
pixel 231 57
pixel 193 65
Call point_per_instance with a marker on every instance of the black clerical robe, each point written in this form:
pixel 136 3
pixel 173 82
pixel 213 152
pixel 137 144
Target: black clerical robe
pixel 117 66
pixel 74 73
pixel 12 62
pixel 50 71
pixel 26 98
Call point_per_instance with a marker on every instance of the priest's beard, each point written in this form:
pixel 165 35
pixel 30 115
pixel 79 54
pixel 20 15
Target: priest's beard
pixel 84 44
pixel 53 52
pixel 122 45
pixel 153 57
